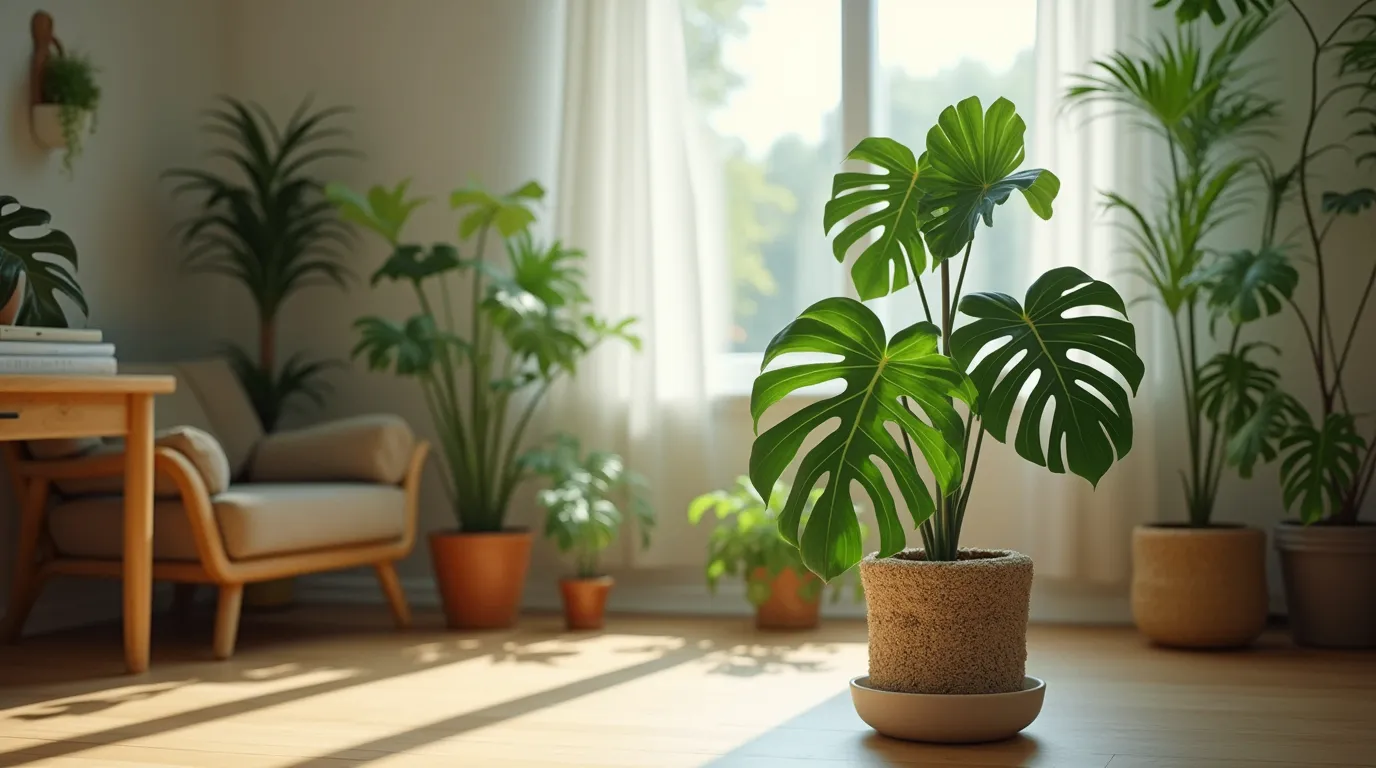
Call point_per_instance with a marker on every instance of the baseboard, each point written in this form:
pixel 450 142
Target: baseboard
pixel 1051 603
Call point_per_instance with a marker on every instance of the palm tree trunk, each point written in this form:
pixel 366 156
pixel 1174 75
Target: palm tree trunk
pixel 267 344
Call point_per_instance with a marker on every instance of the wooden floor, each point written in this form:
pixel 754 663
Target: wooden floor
pixel 334 687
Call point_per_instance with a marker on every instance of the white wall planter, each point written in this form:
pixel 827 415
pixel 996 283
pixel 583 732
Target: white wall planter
pixel 47 125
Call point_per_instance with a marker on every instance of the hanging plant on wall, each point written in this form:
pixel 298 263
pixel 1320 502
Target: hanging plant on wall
pixel 266 223
pixel 69 84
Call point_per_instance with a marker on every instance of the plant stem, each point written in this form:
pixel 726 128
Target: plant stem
pixel 477 410
pixel 921 292
pixel 1317 241
pixel 960 281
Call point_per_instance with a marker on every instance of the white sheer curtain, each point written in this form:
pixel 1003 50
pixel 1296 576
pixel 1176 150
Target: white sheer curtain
pixel 631 174
pixel 1074 532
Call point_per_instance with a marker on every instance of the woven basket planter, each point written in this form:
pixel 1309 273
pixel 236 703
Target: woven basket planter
pixel 948 627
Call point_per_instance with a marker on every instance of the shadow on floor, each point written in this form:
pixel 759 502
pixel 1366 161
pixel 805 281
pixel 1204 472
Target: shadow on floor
pixel 297 643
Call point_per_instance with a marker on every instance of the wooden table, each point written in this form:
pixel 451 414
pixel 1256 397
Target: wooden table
pixel 44 407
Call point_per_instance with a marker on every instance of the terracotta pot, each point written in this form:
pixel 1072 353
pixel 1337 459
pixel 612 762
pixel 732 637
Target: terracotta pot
pixel 480 576
pixel 788 607
pixel 1199 587
pixel 13 303
pixel 957 627
pixel 585 601
pixel 1330 583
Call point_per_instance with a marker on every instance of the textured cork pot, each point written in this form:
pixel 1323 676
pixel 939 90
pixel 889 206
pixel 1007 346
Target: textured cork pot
pixel 1330 583
pixel 1199 587
pixel 480 576
pixel 794 600
pixel 585 601
pixel 948 627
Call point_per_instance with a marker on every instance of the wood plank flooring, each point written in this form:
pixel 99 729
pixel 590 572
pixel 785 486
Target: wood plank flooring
pixel 317 687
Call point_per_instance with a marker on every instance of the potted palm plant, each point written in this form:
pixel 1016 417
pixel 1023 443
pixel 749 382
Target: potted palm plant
pixel 1201 582
pixel 947 626
pixel 529 325
pixel 29 285
pixel 745 544
pixel 583 519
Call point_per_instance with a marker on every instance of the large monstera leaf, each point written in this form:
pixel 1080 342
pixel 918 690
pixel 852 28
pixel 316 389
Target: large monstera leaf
pixel 45 278
pixel 1320 462
pixel 878 374
pixel 892 200
pixel 971 165
pixel 1091 423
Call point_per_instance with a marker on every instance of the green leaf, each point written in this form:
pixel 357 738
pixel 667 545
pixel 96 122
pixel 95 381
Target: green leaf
pixel 384 211
pixel 45 278
pixel 1189 10
pixel 1091 422
pixel 408 349
pixel 1232 386
pixel 1248 285
pixel 891 201
pixel 414 263
pixel 1319 464
pixel 1350 203
pixel 1258 438
pixel 971 166
pixel 877 375
pixel 509 213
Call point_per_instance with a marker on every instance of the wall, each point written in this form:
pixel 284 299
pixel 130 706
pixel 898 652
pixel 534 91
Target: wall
pixel 160 60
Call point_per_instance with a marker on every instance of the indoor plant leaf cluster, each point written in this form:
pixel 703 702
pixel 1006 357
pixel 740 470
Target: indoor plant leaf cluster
pixel 265 222
pixel 581 513
pixel 746 539
pixel 529 325
pixel 906 385
pixel 1200 101
pixel 44 279
pixel 69 81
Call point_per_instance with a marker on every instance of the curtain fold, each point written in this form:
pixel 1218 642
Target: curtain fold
pixel 633 167
pixel 1074 532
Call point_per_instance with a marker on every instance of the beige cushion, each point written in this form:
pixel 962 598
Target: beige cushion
pixel 232 419
pixel 195 444
pixel 256 520
pixel 370 449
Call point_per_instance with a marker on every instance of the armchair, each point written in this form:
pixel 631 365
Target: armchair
pixel 233 506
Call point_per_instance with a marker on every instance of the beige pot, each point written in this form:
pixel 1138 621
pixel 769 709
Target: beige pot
pixel 948 627
pixel 1330 583
pixel 47 125
pixel 948 719
pixel 1199 587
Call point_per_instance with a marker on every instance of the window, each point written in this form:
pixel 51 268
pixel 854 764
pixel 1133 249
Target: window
pixel 769 79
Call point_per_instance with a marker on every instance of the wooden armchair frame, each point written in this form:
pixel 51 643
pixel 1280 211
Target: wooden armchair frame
pixel 37 559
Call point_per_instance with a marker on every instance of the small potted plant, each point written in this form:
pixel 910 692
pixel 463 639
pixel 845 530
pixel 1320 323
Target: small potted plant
pixel 947 626
pixel 30 285
pixel 583 521
pixel 746 544
pixel 68 105
pixel 528 325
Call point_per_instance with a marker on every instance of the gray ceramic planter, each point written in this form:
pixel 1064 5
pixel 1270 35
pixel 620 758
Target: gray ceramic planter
pixel 1330 583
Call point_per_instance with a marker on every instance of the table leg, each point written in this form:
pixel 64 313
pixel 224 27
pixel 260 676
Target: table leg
pixel 138 532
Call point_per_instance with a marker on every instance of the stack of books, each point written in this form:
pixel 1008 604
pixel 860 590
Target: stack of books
pixel 54 351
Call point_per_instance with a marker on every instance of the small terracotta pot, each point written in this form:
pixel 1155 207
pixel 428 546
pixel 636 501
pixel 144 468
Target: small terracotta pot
pixel 10 311
pixel 954 627
pixel 787 606
pixel 1330 583
pixel 1199 587
pixel 481 576
pixel 585 601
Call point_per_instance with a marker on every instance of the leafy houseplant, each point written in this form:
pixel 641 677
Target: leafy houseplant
pixel 1327 458
pixel 267 224
pixel 582 519
pixel 746 544
pixel 69 83
pixel 529 325
pixel 1073 372
pixel 29 285
pixel 1202 105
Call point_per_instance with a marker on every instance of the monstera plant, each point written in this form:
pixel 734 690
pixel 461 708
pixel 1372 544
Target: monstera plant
pixel 1051 373
pixel 30 285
